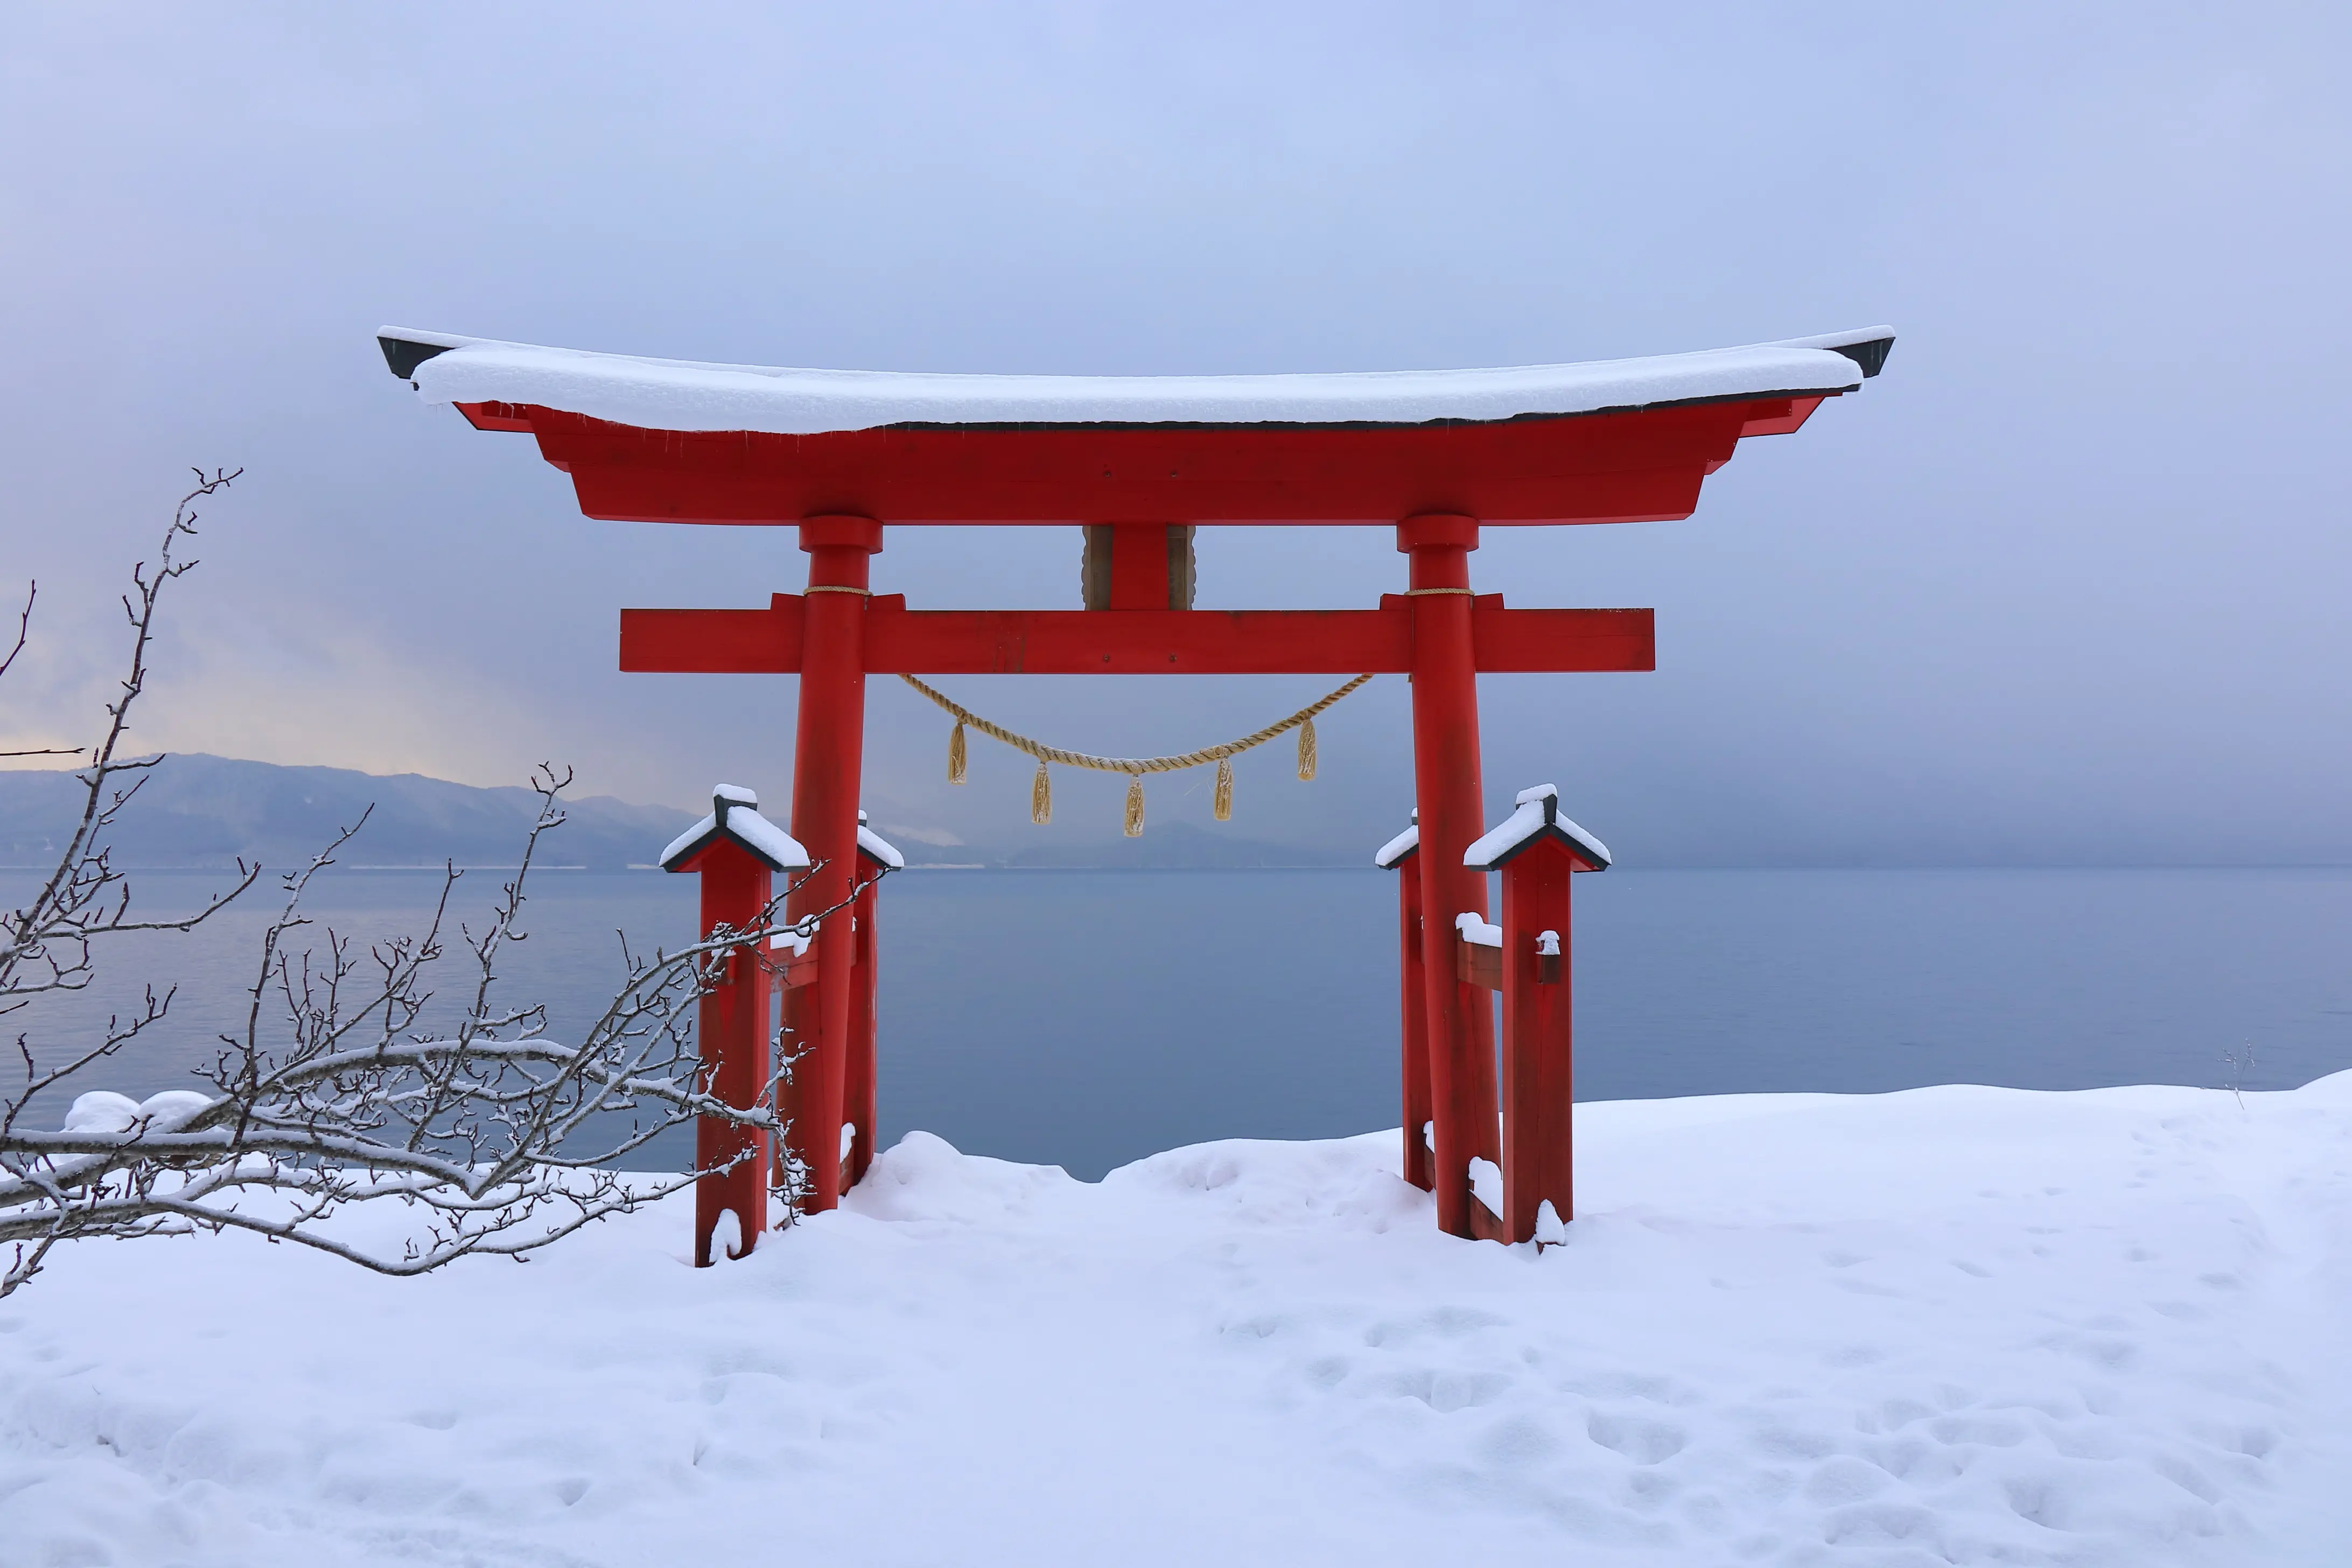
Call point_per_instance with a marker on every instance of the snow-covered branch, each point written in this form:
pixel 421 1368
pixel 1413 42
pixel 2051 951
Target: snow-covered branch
pixel 334 1091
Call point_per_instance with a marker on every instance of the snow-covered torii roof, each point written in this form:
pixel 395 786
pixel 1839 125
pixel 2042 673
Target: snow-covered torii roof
pixel 687 395
pixel 654 440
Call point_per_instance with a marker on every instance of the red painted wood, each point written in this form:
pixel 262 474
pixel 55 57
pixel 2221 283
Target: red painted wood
pixel 1630 465
pixel 731 1033
pixel 1476 964
pixel 1136 642
pixel 1800 409
pixel 496 416
pixel 827 758
pixel 1138 566
pixel 859 1097
pixel 1413 1011
pixel 1447 785
pixel 1537 1056
pixel 715 642
pixel 1513 642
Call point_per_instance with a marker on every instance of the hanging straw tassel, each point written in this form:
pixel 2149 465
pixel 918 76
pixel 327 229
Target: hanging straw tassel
pixel 1041 798
pixel 1223 808
pixel 1306 751
pixel 955 754
pixel 1133 826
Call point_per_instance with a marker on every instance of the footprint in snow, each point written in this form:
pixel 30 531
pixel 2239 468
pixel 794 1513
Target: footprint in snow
pixel 1638 1437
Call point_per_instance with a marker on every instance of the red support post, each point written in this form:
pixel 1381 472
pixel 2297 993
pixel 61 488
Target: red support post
pixel 736 852
pixel 1413 970
pixel 828 753
pixel 1461 1042
pixel 1538 850
pixel 1538 1090
pixel 860 1098
pixel 1401 855
pixel 732 1035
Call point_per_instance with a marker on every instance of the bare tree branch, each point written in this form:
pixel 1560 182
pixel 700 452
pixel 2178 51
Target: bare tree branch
pixel 332 1092
pixel 45 946
pixel 24 628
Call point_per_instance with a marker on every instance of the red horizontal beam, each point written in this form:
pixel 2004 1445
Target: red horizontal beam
pixel 1624 466
pixel 899 641
pixel 1134 642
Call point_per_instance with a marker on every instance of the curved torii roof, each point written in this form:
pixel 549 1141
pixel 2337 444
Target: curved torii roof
pixel 680 395
pixel 672 441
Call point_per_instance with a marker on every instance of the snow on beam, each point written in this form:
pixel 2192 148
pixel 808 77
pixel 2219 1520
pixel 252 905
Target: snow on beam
pixel 688 395
pixel 1477 929
pixel 1538 818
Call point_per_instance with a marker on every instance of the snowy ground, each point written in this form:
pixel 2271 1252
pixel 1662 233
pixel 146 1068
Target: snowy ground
pixel 1955 1325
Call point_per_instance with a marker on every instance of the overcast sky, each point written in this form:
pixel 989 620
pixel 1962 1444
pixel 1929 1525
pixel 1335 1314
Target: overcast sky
pixel 2068 582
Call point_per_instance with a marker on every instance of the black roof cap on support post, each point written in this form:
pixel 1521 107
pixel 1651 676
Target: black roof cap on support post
pixel 1536 819
pixel 735 819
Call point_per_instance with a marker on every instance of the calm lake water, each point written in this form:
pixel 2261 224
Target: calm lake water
pixel 1086 1018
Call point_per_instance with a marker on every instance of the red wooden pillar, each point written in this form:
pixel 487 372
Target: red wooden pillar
pixel 1538 851
pixel 1400 855
pixel 827 752
pixel 732 1032
pixel 861 1098
pixel 735 851
pixel 1539 1095
pixel 1461 1042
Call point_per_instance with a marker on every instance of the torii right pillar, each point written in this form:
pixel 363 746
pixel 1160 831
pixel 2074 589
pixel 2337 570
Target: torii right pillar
pixel 1446 787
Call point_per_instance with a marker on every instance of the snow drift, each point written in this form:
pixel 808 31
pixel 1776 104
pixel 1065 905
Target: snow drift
pixel 1952 1325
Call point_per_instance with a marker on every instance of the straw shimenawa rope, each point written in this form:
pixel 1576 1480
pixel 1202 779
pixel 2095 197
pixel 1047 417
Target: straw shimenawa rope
pixel 1041 789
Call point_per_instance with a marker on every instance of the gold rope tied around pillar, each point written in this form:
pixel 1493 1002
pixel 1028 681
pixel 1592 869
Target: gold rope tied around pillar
pixel 1041 789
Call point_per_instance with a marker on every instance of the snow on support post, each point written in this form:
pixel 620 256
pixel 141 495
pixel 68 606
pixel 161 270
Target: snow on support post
pixel 1397 856
pixel 736 851
pixel 877 857
pixel 1537 850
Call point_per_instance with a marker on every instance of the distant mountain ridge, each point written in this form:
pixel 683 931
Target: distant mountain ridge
pixel 199 811
pixel 202 811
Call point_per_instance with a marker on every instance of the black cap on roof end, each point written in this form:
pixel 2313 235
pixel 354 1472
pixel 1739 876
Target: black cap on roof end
pixel 1871 356
pixel 405 356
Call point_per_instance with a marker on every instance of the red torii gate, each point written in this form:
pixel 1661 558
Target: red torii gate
pixel 1141 461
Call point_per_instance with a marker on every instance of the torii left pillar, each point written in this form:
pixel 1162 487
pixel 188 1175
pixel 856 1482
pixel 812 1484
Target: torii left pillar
pixel 1460 1018
pixel 827 756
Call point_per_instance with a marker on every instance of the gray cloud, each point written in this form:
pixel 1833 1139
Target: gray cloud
pixel 2063 585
